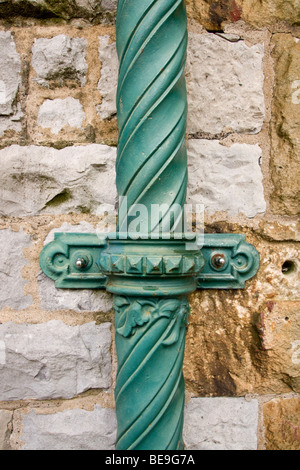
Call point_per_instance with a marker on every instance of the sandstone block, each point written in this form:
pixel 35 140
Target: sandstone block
pixel 221 424
pixel 282 423
pixel 10 81
pixel 57 114
pixel 214 15
pixel 5 429
pixel 70 430
pixel 247 341
pixel 225 178
pixel 12 261
pixel 37 180
pixel 53 360
pixel 285 133
pixel 59 61
pixel 225 86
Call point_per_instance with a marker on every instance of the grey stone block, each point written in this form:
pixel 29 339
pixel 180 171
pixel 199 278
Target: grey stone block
pixel 70 430
pixel 225 85
pixel 59 60
pixel 12 261
pixel 225 178
pixel 37 180
pixel 57 114
pixel 221 424
pixel 53 360
pixel 10 81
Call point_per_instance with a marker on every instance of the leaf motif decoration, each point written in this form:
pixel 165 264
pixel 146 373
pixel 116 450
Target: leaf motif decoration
pixel 131 315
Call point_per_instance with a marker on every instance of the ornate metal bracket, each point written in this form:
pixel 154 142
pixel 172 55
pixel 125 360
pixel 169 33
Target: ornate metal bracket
pixel 81 261
pixel 151 279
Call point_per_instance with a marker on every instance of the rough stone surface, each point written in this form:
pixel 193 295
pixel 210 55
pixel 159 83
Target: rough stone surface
pixel 53 360
pixel 12 261
pixel 109 75
pixel 90 300
pixel 214 15
pixel 57 114
pixel 70 430
pixel 221 424
pixel 246 341
pixel 64 8
pixel 285 133
pixel 5 429
pixel 282 424
pixel 225 86
pixel 10 81
pixel 37 180
pixel 59 61
pixel 224 82
pixel 225 178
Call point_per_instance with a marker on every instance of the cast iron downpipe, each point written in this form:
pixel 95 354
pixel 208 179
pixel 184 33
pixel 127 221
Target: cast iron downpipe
pixel 150 276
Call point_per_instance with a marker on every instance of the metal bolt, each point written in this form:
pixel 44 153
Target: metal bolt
pixel 81 263
pixel 218 261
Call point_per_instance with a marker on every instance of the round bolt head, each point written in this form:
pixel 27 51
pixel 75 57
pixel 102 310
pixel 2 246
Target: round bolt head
pixel 218 261
pixel 81 263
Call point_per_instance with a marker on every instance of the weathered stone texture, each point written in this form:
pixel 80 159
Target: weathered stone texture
pixel 5 429
pixel 109 75
pixel 246 341
pixel 59 61
pixel 225 85
pixel 214 14
pixel 64 8
pixel 225 178
pixel 12 261
pixel 10 81
pixel 57 114
pixel 70 430
pixel 221 424
pixel 37 180
pixel 285 126
pixel 53 360
pixel 282 424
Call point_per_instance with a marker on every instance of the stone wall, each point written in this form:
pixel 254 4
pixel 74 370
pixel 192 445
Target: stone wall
pixel 58 136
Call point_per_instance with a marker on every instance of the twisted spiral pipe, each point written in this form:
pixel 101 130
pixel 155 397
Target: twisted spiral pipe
pixel 151 169
pixel 152 108
pixel 150 341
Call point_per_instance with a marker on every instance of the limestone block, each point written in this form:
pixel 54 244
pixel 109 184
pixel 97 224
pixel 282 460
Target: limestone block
pixel 225 178
pixel 12 261
pixel 90 300
pixel 107 85
pixel 221 424
pixel 225 86
pixel 59 113
pixel 282 423
pixel 37 180
pixel 52 360
pixel 70 430
pixel 10 81
pixel 5 429
pixel 59 61
pixel 285 126
pixel 214 15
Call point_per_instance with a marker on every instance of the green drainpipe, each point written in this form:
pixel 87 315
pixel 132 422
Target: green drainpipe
pixel 151 276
